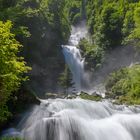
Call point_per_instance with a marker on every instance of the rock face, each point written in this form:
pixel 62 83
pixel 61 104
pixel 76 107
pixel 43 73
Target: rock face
pixel 94 97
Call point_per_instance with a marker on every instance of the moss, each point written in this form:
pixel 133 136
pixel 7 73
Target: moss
pixel 90 97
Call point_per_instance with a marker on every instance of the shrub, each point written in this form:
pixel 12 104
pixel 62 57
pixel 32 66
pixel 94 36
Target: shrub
pixel 125 84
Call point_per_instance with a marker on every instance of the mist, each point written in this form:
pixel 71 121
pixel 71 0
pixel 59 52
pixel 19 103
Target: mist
pixel 121 56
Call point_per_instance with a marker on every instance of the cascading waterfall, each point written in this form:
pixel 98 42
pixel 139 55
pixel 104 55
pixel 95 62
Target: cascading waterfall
pixel 77 119
pixel 75 63
pixel 74 59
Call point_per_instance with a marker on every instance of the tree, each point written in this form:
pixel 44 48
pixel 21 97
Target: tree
pixel 12 66
pixel 125 84
pixel 108 27
pixel 135 35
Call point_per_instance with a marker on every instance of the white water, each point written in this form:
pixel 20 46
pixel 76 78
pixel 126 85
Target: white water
pixel 81 78
pixel 79 119
pixel 74 59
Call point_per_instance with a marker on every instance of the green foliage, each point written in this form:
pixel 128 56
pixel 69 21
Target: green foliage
pixel 114 22
pixel 128 23
pixel 41 26
pixel 93 54
pixel 45 16
pixel 107 26
pixel 135 33
pixel 75 10
pixel 12 67
pixel 125 84
pixel 90 97
pixel 76 19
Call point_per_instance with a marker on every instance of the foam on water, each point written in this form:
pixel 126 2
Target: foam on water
pixel 78 119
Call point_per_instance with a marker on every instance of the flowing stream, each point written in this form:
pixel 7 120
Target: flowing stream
pixel 78 119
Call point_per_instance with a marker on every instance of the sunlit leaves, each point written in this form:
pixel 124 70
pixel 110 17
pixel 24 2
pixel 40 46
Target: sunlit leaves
pixel 12 67
pixel 125 83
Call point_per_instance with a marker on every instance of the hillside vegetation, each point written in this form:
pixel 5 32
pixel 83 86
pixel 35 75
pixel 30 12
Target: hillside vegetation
pixel 111 24
pixel 124 85
pixel 31 35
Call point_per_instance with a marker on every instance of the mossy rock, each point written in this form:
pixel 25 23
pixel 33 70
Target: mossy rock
pixel 50 95
pixel 90 97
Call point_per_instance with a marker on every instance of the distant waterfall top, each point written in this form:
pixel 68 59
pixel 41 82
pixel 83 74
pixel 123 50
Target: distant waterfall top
pixel 77 34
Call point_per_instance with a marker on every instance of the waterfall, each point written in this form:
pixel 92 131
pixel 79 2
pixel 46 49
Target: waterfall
pixel 75 62
pixel 77 119
pixel 74 59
